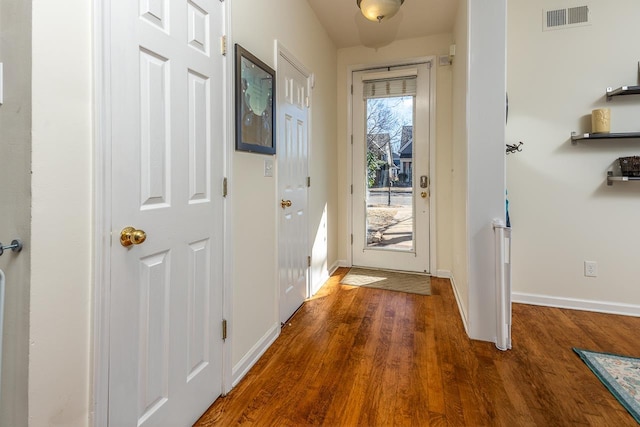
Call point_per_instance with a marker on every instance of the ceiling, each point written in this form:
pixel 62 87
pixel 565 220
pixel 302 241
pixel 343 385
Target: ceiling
pixel 417 18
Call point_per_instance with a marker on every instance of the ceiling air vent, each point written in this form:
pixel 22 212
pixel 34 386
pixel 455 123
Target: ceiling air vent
pixel 556 19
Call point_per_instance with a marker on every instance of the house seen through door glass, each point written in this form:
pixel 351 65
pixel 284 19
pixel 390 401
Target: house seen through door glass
pixel 389 171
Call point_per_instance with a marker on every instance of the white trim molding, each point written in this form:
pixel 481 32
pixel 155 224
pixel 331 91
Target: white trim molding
pixel 341 263
pixel 326 275
pixel 431 60
pixel 315 287
pixel 443 274
pixel 463 315
pixel 433 176
pixel 254 354
pixel 101 304
pixel 577 304
pixel 336 265
pixel 228 260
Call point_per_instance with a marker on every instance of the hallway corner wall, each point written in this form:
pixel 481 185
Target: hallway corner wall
pixel 256 26
pixel 15 202
pixel 486 159
pixel 460 251
pixel 61 249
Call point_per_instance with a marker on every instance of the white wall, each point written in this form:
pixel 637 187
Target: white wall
pixel 256 25
pixel 460 262
pixel 478 159
pixel 486 158
pixel 562 211
pixel 61 279
pixel 15 205
pixel 396 51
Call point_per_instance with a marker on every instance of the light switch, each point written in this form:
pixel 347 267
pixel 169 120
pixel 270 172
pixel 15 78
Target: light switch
pixel 268 167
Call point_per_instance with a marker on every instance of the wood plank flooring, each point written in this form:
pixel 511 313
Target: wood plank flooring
pixel 366 357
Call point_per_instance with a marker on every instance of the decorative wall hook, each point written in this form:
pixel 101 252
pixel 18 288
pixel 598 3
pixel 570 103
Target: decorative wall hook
pixel 513 148
pixel 15 246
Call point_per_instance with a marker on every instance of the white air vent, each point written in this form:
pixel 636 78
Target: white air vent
pixel 557 19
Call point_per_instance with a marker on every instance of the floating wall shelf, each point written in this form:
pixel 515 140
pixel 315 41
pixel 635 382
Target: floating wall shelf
pixel 610 93
pixel 575 137
pixel 611 178
pixel 621 91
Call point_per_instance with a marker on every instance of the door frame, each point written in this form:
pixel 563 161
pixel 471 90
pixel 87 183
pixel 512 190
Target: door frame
pixel 433 187
pixel 102 203
pixel 281 51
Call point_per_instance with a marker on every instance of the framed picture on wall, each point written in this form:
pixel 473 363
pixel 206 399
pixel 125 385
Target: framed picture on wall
pixel 255 104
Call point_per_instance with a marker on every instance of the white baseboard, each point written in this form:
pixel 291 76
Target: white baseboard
pixel 343 263
pixel 577 304
pixel 315 287
pixel 443 274
pixel 463 314
pixel 336 265
pixel 253 355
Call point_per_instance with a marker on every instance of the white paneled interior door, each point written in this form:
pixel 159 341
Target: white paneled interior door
pixel 293 151
pixel 166 106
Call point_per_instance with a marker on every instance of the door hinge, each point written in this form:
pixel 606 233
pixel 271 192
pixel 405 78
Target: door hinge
pixel 309 261
pixel 225 189
pixel 351 139
pixel 308 181
pixel 223 45
pixel 224 329
pixel 352 189
pixel 352 239
pixel 351 89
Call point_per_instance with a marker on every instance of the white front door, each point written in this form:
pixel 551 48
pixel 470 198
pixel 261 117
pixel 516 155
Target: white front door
pixel 165 350
pixel 292 186
pixel 391 177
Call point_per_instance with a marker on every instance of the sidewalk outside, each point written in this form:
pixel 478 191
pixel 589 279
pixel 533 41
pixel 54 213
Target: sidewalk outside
pixel 390 226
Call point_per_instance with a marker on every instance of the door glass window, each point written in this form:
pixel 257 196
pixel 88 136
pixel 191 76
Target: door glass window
pixel 389 165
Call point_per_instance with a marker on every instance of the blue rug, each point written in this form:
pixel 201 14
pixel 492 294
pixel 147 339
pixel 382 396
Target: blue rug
pixel 620 374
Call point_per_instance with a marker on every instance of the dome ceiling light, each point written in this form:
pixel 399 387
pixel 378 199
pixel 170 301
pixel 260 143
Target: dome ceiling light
pixel 377 10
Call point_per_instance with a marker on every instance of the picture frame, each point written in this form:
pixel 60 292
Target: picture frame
pixel 255 91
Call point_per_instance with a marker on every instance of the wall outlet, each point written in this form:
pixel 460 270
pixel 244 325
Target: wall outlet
pixel 590 269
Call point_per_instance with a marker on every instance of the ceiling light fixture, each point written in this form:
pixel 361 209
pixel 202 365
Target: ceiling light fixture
pixel 377 10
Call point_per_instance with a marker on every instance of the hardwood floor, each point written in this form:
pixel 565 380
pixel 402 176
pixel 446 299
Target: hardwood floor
pixel 366 357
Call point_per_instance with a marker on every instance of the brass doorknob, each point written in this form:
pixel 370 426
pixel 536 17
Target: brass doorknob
pixel 423 194
pixel 285 203
pixel 130 236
